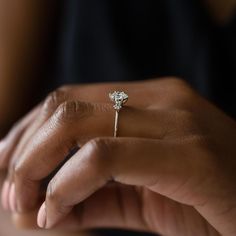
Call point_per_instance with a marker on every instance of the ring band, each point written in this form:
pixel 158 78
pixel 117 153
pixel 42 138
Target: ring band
pixel 119 99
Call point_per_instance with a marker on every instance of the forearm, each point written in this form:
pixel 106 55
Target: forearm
pixel 24 34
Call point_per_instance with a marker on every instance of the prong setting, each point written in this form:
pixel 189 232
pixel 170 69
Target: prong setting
pixel 119 99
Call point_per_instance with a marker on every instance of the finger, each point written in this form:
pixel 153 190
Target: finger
pixel 45 110
pixel 7 145
pixel 135 208
pixel 20 134
pixel 30 125
pixel 158 165
pixel 103 210
pixel 71 123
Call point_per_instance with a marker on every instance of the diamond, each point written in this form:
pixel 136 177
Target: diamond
pixel 119 98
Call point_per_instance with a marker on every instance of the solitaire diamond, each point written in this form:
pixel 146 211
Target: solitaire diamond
pixel 119 98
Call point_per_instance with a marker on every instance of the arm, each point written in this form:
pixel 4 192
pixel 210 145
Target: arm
pixel 25 30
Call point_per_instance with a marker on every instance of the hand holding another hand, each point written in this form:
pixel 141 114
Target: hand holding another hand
pixel 170 171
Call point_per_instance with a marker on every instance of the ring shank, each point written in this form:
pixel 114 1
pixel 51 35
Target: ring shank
pixel 116 123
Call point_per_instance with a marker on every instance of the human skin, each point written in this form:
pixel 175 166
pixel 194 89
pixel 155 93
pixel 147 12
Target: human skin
pixel 27 221
pixel 26 31
pixel 26 28
pixel 170 171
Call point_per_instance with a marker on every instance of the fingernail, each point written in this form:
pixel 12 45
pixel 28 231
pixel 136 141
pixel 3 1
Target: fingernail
pixel 2 147
pixel 41 219
pixel 5 194
pixel 12 198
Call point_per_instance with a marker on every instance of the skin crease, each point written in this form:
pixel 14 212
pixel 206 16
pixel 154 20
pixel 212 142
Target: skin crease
pixel 172 172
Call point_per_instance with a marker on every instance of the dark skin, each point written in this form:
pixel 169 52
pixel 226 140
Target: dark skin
pixel 23 20
pixel 27 221
pixel 170 171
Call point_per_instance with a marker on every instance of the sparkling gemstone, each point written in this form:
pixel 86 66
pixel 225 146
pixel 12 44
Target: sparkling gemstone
pixel 119 98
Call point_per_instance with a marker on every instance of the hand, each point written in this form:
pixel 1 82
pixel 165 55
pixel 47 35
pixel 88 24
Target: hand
pixel 172 172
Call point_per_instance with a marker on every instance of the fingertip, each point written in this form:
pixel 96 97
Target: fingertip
pixel 41 218
pixel 12 198
pixel 5 195
pixel 2 159
pixel 27 193
pixel 2 146
pixel 26 221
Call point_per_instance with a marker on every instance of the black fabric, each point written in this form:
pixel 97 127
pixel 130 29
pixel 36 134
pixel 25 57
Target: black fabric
pixel 138 39
pixel 123 40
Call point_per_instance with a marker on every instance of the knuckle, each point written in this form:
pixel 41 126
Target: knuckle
pixel 54 99
pixel 180 82
pixel 98 146
pixel 53 193
pixel 18 170
pixel 99 158
pixel 179 90
pixel 99 150
pixel 64 88
pixel 176 82
pixel 69 111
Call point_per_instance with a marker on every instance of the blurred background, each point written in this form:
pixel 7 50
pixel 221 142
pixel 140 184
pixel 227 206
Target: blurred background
pixel 46 44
